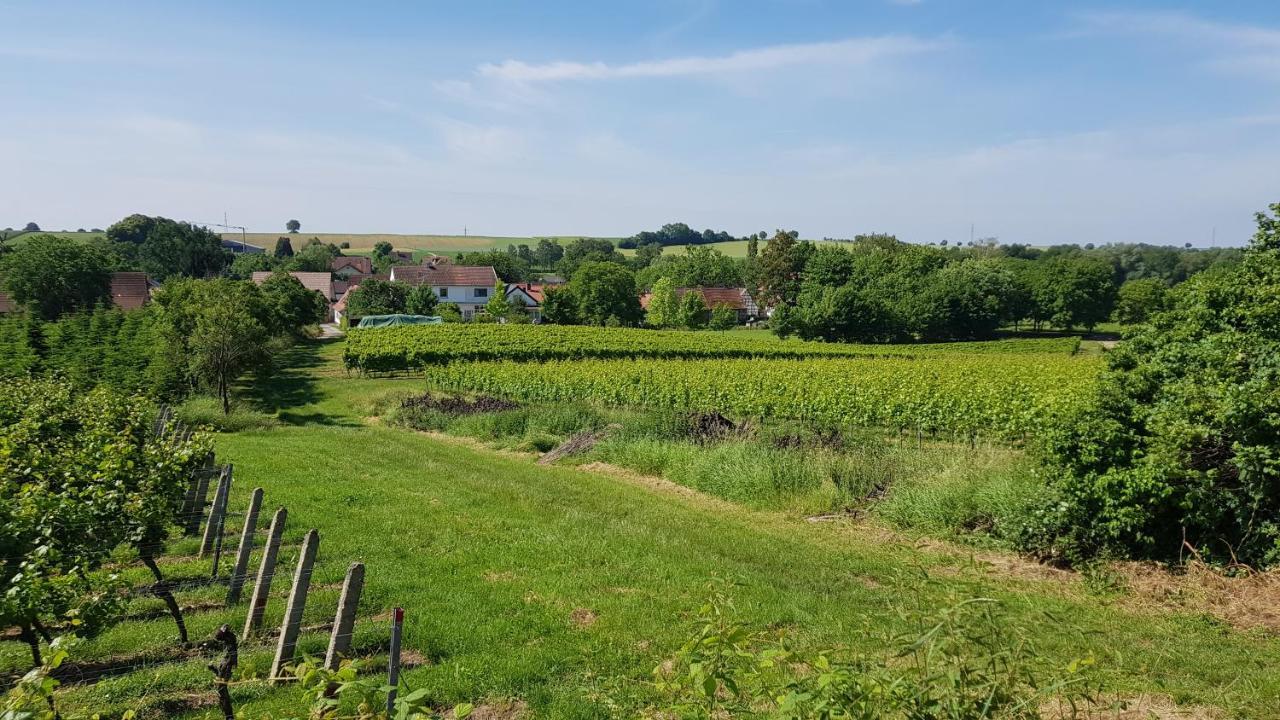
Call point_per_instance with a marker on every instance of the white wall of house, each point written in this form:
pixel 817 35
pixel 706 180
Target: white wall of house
pixel 468 298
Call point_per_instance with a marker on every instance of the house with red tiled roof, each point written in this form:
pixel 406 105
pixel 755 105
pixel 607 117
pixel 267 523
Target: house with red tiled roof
pixel 736 298
pixel 469 287
pixel 528 296
pixel 348 265
pixel 321 282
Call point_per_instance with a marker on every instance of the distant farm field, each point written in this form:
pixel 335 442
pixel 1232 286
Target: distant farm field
pixel 424 243
pixel 733 248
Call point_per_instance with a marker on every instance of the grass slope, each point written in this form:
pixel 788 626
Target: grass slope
pixel 565 588
pixel 493 555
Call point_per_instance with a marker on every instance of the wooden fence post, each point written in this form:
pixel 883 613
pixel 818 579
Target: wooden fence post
pixel 292 623
pixel 262 587
pixel 199 496
pixel 216 512
pixel 241 567
pixel 345 620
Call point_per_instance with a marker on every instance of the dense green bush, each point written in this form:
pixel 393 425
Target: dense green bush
pixel 81 474
pixel 1180 451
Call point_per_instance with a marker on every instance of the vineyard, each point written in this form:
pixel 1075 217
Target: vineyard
pixel 1009 397
pixel 415 348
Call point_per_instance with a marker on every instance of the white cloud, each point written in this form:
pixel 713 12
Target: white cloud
pixel 1232 47
pixel 850 52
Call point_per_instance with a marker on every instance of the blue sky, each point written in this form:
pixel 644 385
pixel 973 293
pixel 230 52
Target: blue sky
pixel 1031 121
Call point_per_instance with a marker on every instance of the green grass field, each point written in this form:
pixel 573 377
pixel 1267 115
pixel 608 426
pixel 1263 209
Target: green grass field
pixel 563 587
pixel 442 244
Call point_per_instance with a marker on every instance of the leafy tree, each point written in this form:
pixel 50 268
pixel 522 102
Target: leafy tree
pixel 559 307
pixel 228 341
pixel 377 297
pixel 284 248
pixel 498 306
pixel 314 257
pixel 51 276
pixel 584 250
pixel 693 310
pixel 664 306
pixel 723 317
pixel 1138 300
pixel 450 313
pixel 246 264
pixel 292 305
pixel 382 249
pixel 842 314
pixel 695 267
pixel 30 228
pixel 421 300
pixel 1073 291
pixel 547 254
pixel 785 321
pixel 605 294
pixel 1180 447
pixel 293 226
pixel 509 267
pixel 165 248
pixel 645 255
pixel 781 263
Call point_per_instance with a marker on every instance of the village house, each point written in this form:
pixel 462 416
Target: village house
pixel 738 299
pixel 528 296
pixel 466 286
pixel 347 265
pixel 321 282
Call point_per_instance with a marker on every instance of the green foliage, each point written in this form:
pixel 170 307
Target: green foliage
pixel 313 257
pixel 416 347
pixel 966 663
pixel 664 307
pixel 498 307
pixel 693 313
pixel 246 264
pixel 1138 300
pixel 165 248
pixel 293 226
pixel 510 268
pixel 559 307
pixel 51 276
pixel 377 297
pixel 1177 450
pixel 696 267
pixel 780 267
pixel 284 248
pixel 81 474
pixel 588 250
pixel 723 317
pixel 291 305
pixel 421 300
pixel 548 253
pixel 605 294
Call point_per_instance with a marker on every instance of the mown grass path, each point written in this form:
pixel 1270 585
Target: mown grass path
pixel 564 588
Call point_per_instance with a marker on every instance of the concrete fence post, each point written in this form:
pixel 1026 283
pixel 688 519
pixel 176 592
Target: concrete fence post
pixel 199 496
pixel 262 587
pixel 216 512
pixel 291 625
pixel 241 568
pixel 345 620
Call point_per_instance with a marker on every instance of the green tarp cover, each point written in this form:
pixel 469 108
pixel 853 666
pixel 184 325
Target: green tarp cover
pixel 375 321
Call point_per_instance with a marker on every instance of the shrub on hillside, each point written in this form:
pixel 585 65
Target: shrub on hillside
pixel 1180 452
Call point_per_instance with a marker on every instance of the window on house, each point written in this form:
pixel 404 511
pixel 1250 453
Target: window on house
pixel 444 292
pixel 482 292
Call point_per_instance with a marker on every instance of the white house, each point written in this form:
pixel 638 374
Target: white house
pixel 469 287
pixel 528 296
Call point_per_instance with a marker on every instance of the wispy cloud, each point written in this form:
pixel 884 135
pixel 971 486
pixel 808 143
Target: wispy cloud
pixel 849 52
pixel 1233 47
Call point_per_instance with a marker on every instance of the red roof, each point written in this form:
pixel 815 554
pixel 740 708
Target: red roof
pixel 736 298
pixel 356 262
pixel 445 275
pixel 129 290
pixel 533 290
pixel 321 282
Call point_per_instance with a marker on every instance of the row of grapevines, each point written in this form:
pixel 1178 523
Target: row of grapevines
pixel 1008 396
pixel 419 346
